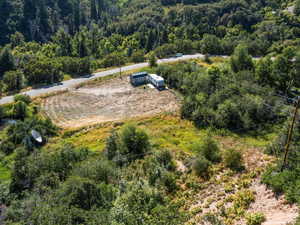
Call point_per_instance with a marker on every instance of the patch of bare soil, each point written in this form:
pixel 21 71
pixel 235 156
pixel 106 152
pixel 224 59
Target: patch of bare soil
pixel 276 210
pixel 111 100
pixel 212 199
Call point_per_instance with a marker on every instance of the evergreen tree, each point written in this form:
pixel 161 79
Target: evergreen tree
pixel 76 15
pixel 16 39
pixel 150 41
pixel 297 8
pixel 241 60
pixel 93 10
pixel 7 61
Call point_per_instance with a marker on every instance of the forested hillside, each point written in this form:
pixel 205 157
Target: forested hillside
pixel 197 165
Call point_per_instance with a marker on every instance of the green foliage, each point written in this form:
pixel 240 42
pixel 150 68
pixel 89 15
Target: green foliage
pixel 152 60
pixel 19 110
pixel 220 98
pixel 113 59
pixel 7 147
pixel 297 7
pixel 208 148
pixel 255 219
pixel 127 145
pixel 200 166
pixel 43 70
pixel 138 56
pixel 242 200
pixel 22 98
pixel 7 61
pixel 76 66
pixel 14 80
pixel 241 60
pixel 84 193
pixel 143 203
pixel 233 159
pixel 134 141
pixel 211 45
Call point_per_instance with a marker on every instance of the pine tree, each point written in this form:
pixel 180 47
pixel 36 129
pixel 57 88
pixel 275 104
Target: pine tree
pixel 7 61
pixel 150 41
pixel 93 10
pixel 76 15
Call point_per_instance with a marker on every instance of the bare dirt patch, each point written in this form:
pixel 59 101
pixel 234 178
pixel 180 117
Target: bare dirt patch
pixel 222 185
pixel 276 210
pixel 111 100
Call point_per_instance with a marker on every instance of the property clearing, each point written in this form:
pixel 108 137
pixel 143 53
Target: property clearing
pixel 111 100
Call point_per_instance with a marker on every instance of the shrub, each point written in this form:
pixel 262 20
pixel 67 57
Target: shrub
pixel 19 110
pixel 169 181
pixel 112 145
pixel 23 98
pixel 255 219
pixel 200 166
pixel 14 80
pixel 128 144
pixel 279 181
pixel 208 148
pixel 164 157
pixel 233 159
pixel 134 142
pixel 7 147
pixel 243 199
pixel 152 60
pixel 138 56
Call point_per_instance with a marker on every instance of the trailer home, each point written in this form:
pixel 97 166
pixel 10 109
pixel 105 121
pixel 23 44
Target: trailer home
pixel 139 78
pixel 156 81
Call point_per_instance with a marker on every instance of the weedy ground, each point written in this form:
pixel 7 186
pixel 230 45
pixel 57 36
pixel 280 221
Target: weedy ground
pixel 226 196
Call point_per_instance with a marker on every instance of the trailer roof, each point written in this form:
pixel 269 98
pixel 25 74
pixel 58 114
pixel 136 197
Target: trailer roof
pixel 140 74
pixel 156 77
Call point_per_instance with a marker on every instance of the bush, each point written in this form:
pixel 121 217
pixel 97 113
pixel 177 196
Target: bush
pixel 233 159
pixel 76 66
pixel 7 147
pixel 138 56
pixel 279 181
pixel 19 110
pixel 23 98
pixel 243 199
pixel 169 181
pixel 164 157
pixel 152 60
pixel 208 148
pixel 200 166
pixel 111 147
pixel 255 219
pixel 128 144
pixel 14 80
pixel 134 142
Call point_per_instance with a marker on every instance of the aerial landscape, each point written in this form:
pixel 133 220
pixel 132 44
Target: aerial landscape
pixel 149 112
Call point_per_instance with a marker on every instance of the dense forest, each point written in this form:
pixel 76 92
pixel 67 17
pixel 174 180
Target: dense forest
pixel 42 41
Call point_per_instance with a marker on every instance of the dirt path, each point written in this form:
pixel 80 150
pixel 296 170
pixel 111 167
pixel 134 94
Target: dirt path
pixel 276 210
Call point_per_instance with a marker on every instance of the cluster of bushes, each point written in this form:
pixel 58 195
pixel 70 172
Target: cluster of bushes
pixel 68 185
pixel 285 178
pixel 25 118
pixel 207 152
pixel 239 95
pixel 22 70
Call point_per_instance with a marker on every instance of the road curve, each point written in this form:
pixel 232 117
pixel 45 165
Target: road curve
pixel 65 85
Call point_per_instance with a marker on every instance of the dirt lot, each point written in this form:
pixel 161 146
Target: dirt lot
pixel 111 100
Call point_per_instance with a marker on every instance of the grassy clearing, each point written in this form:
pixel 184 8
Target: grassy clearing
pixel 165 131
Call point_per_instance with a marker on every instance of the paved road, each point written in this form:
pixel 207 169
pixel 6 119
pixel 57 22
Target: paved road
pixel 73 82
